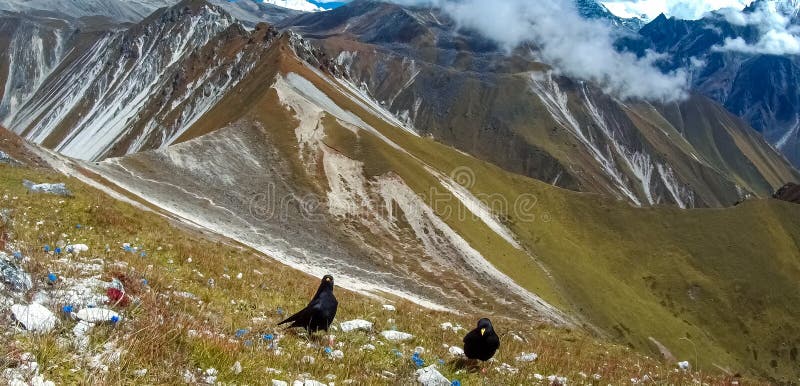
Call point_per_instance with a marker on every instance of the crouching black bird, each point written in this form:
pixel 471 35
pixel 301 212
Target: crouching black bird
pixel 481 343
pixel 319 313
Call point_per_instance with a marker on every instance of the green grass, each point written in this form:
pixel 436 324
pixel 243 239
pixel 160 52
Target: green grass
pixel 155 333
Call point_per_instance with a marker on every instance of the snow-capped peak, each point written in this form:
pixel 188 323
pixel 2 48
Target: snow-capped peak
pixel 300 5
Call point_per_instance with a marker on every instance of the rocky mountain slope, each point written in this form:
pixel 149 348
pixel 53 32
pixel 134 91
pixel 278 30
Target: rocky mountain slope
pixel 756 83
pixel 276 142
pixel 512 111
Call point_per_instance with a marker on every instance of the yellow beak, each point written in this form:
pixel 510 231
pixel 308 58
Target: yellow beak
pixel 327 279
pixel 483 331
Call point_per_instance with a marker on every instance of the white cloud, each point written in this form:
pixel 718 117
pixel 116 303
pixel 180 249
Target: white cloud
pixel 573 46
pixel 777 36
pixel 682 9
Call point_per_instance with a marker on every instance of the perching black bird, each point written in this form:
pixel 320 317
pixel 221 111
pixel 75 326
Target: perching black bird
pixel 481 343
pixel 319 313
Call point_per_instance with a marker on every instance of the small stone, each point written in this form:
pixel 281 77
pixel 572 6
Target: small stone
pixel 308 359
pixel 337 354
pixel 276 382
pixel 368 347
pixel 140 373
pixel 237 368
pixel 389 307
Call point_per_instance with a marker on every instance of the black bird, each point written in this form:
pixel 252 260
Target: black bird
pixel 481 343
pixel 319 313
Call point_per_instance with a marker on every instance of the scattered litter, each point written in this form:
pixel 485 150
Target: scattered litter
pixel 98 315
pixel 396 335
pixel 354 325
pixel 34 317
pixel 59 189
pixel 684 365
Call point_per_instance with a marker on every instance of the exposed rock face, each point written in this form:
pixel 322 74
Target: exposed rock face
pixel 789 192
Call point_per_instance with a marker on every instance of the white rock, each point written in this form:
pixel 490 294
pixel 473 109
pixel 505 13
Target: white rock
pixel 97 315
pixel 506 368
pixel 527 357
pixel 337 354
pixel 237 368
pixel 139 373
pixel 396 335
pixel 556 380
pixel 239 276
pixel 368 347
pixel 77 248
pixel 354 325
pixel 308 359
pixel 38 380
pixel 538 377
pixel 684 365
pixel 389 307
pixel 276 382
pixel 446 326
pixel 456 351
pixel 308 382
pixel 35 317
pixel 429 376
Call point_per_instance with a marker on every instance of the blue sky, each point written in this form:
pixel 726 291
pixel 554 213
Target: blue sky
pixel 326 4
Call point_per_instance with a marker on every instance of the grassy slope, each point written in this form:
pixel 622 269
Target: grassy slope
pixel 155 334
pixel 629 271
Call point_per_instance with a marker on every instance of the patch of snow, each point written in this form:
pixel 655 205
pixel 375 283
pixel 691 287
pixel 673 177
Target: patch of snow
pixel 34 317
